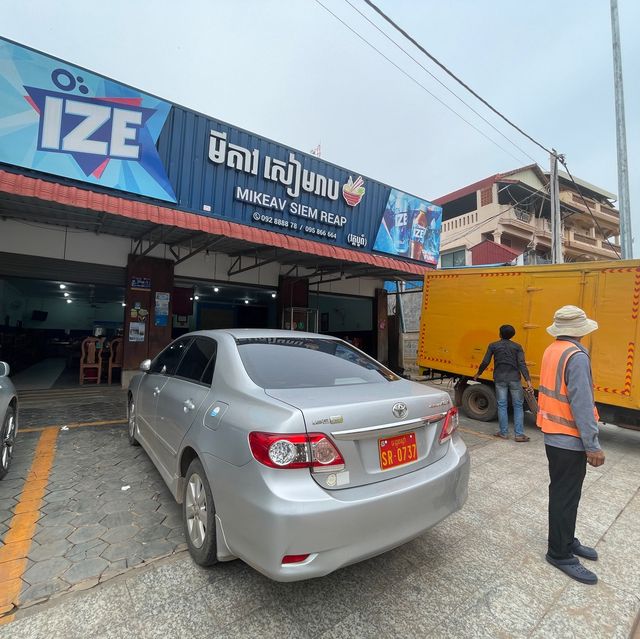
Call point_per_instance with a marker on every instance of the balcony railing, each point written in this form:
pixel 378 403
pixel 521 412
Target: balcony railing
pixel 523 216
pixel 610 247
pixel 585 239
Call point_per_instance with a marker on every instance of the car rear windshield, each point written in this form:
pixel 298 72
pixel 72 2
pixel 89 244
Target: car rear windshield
pixel 283 362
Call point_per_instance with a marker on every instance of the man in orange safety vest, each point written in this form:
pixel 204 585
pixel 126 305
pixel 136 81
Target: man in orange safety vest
pixel 569 420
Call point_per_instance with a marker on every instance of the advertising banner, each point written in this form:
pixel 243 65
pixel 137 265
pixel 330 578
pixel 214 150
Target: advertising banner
pixel 65 121
pixel 410 227
pixel 62 120
pixel 238 176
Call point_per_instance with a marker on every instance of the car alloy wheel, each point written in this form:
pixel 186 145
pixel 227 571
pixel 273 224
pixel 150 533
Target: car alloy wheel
pixel 199 515
pixel 8 438
pixel 196 510
pixel 132 423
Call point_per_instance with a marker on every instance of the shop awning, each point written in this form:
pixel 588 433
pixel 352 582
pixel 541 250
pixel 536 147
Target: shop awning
pixel 40 201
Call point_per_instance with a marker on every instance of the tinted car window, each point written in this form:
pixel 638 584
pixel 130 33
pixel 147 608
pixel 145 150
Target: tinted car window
pixel 168 360
pixel 207 376
pixel 195 360
pixel 308 362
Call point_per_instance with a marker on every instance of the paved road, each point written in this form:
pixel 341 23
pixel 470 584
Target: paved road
pixel 480 573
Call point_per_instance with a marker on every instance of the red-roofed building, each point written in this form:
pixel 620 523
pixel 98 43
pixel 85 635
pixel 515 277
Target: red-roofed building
pixel 124 216
pixel 512 210
pixel 488 252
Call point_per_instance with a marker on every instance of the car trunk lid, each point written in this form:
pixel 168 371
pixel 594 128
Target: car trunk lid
pixel 381 430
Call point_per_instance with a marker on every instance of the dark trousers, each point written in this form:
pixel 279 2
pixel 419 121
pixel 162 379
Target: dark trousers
pixel 567 469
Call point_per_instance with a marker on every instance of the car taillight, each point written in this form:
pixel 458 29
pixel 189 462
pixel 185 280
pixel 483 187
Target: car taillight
pixel 450 425
pixel 294 559
pixel 300 450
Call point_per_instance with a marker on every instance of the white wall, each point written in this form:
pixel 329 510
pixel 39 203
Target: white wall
pixel 82 246
pixel 49 241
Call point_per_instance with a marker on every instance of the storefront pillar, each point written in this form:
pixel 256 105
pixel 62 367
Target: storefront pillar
pixel 382 326
pixel 148 312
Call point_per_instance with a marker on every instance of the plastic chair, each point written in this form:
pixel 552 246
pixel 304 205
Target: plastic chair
pixel 115 356
pixel 90 359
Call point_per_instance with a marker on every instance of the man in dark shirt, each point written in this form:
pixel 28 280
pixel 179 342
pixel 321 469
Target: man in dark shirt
pixel 509 364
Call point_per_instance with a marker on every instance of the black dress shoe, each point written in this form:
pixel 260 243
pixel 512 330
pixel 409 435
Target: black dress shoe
pixel 583 551
pixel 574 569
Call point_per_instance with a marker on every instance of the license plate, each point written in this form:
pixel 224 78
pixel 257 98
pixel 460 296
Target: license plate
pixel 397 451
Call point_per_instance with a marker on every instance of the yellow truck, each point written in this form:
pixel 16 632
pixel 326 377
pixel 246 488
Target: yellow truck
pixel 462 310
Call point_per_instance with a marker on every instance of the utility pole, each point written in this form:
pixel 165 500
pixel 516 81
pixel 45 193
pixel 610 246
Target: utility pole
pixel 621 138
pixel 556 221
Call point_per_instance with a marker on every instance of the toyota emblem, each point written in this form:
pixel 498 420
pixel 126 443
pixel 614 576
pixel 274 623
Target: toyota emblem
pixel 400 410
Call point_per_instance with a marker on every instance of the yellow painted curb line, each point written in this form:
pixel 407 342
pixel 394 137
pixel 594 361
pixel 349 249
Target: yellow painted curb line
pixel 17 541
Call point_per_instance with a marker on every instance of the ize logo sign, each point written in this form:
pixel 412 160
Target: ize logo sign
pixel 78 125
pixel 93 130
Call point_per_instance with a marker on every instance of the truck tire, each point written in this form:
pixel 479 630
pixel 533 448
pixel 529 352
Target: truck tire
pixel 479 402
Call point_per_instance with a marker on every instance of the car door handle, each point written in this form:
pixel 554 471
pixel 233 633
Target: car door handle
pixel 156 391
pixel 188 405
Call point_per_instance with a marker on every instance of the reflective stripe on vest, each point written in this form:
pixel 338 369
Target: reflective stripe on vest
pixel 554 411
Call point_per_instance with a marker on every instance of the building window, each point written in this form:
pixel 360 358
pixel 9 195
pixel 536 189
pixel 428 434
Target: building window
pixel 486 196
pixel 455 258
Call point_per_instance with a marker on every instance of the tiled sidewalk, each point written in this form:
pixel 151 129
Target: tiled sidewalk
pixel 104 510
pixel 480 573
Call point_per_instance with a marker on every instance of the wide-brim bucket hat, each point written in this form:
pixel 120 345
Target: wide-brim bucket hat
pixel 572 322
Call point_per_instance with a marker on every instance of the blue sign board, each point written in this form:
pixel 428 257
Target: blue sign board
pixel 65 121
pixel 59 119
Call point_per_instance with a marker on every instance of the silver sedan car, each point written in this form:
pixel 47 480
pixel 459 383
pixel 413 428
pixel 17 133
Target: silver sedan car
pixel 8 418
pixel 295 452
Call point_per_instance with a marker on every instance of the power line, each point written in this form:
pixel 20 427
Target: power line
pixel 453 93
pixel 454 76
pixel 584 201
pixel 422 86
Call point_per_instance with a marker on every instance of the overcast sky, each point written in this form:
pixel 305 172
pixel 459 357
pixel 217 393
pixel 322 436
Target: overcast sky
pixel 288 70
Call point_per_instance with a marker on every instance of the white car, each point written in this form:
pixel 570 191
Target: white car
pixel 8 417
pixel 294 451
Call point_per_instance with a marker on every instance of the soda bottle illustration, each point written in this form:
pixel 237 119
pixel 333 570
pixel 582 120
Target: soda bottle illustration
pixel 432 237
pixel 400 231
pixel 418 233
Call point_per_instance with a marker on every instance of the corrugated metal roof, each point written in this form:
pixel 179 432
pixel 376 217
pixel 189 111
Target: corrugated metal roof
pixel 489 252
pixel 68 205
pixel 486 182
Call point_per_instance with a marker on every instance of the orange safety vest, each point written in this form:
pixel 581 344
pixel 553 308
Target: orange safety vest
pixel 554 410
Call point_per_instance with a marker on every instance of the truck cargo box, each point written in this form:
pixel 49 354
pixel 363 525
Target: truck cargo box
pixel 462 310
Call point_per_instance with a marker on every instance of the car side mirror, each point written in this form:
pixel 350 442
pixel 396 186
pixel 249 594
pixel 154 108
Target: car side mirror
pixel 145 366
pixel 5 369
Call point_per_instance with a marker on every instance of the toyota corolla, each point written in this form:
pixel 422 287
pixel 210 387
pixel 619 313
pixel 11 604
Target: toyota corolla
pixel 295 452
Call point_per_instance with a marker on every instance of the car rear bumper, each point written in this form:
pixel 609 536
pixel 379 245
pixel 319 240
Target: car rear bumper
pixel 267 513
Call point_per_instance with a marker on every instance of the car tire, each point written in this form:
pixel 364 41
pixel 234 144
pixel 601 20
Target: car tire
pixel 479 402
pixel 199 516
pixel 7 438
pixel 132 426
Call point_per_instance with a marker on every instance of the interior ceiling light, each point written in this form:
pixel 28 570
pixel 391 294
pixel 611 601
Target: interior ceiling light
pixel 246 301
pixel 191 298
pixel 273 295
pixel 69 301
pixel 216 289
pixel 63 286
pixel 196 297
pixel 66 294
pixel 123 304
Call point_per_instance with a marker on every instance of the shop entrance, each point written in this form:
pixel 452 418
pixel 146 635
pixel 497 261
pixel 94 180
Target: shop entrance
pixel 347 317
pixel 43 324
pixel 224 305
